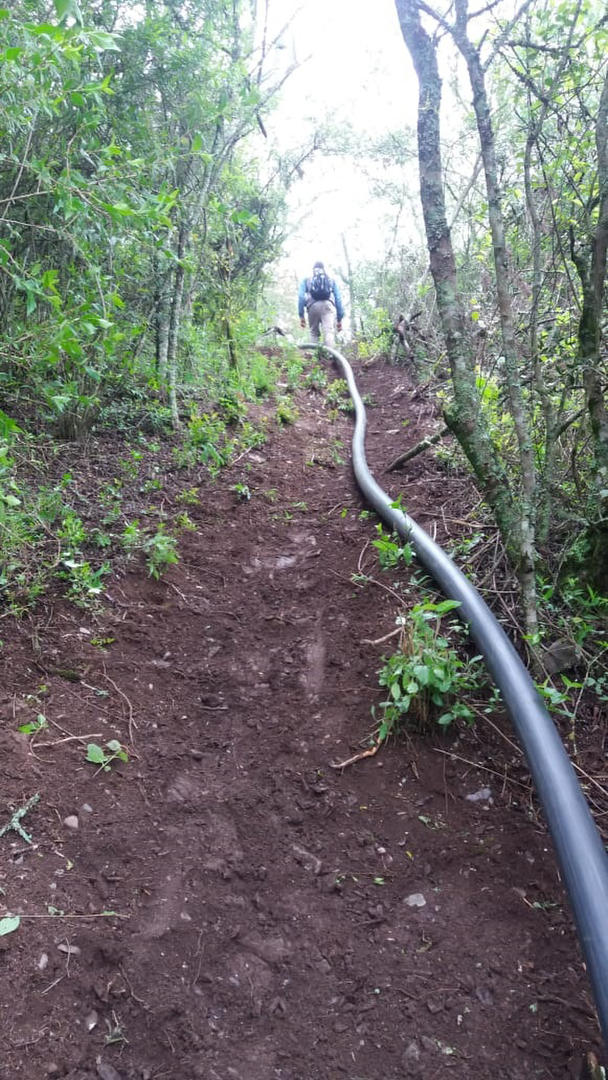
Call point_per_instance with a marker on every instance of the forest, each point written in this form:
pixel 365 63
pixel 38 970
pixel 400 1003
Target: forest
pixel 165 443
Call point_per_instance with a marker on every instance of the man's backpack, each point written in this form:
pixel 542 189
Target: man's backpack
pixel 320 286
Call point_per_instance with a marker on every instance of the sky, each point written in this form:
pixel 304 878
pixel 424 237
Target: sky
pixel 354 67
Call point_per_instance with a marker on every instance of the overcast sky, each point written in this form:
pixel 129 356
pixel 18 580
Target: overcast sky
pixel 359 71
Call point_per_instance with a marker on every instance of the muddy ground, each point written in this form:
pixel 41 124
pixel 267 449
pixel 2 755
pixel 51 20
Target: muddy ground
pixel 226 904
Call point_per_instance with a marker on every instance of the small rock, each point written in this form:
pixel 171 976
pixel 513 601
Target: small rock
pixel 71 822
pixel 107 1072
pixel 307 859
pixel 70 950
pixel 86 809
pixel 91 1020
pixel 197 755
pixel 483 795
pixel 415 899
pixel 412 1053
pixel 434 1006
pixel 410 1061
pixel 43 961
pixel 484 994
pixel 560 656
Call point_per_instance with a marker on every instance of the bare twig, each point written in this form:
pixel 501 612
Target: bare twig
pixel 132 723
pixel 419 448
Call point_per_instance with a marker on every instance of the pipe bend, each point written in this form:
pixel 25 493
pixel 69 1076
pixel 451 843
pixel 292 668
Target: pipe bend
pixel 580 851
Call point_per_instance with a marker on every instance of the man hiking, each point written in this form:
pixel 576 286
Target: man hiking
pixel 320 297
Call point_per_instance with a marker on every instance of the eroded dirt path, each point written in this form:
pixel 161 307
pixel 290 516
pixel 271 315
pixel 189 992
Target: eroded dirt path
pixel 275 918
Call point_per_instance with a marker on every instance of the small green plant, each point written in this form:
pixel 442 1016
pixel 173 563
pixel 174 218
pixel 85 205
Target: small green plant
pixel 130 466
pixel 106 754
pixel 132 537
pixel 261 376
pixel 390 551
pixel 242 492
pixel 72 530
pixel 204 442
pixel 161 552
pixel 426 676
pixel 153 483
pixel 286 413
pixel 336 449
pixel 232 408
pixel 338 397
pixel 190 497
pixel 85 583
pixel 250 436
pixel 110 498
pixel 102 642
pixel 185 522
pixel 101 539
pixel 34 726
pixel 316 378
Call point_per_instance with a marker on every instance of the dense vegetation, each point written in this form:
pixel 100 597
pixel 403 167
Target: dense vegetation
pixel 514 193
pixel 135 231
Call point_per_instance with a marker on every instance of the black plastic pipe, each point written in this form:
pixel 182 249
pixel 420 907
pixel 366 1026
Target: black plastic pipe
pixel 580 851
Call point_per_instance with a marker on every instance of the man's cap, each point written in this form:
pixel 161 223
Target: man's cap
pixel 318 265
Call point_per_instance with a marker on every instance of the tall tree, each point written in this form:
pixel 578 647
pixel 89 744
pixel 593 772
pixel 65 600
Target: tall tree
pixel 464 416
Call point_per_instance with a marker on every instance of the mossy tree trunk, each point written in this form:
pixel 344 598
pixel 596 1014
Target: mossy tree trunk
pixel 464 416
pixel 590 262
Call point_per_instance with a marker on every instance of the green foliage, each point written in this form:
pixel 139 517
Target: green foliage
pixel 338 396
pixel 232 408
pixel 316 378
pixel 242 492
pixel 426 678
pixel 190 497
pixel 85 584
pixel 286 413
pixel 377 334
pixel 161 552
pixel 132 538
pixel 113 190
pixel 390 551
pixel 32 727
pixel 262 376
pixel 105 755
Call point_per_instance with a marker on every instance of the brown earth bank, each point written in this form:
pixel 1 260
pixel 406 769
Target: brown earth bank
pixel 226 904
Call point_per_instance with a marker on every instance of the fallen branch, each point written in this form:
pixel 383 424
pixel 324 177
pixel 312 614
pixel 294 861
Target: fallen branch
pixel 419 448
pixel 69 738
pixel 14 823
pixel 370 752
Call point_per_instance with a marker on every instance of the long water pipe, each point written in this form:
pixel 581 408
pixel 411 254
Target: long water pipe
pixel 580 851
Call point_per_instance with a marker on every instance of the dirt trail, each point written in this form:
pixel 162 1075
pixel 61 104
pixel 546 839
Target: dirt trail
pixel 275 918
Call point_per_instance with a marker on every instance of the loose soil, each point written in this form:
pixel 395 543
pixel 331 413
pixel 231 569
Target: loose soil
pixel 229 905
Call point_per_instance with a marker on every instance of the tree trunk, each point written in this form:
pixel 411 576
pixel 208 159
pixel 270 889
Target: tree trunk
pixel 161 323
pixel 351 292
pixel 517 405
pixel 174 322
pixel 463 416
pixel 591 267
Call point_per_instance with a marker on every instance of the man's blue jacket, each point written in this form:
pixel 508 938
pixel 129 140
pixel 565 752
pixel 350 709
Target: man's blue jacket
pixel 335 298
